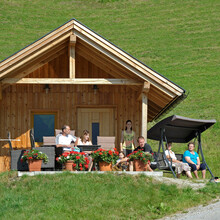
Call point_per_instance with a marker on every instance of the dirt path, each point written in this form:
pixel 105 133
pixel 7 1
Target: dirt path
pixel 181 183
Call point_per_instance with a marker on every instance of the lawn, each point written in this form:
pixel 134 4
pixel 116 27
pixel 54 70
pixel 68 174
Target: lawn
pixel 94 196
pixel 180 40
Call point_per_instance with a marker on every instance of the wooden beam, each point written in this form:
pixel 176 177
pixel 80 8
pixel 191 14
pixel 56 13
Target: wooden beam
pixel 144 90
pixel 39 62
pixel 72 55
pixel 0 91
pixel 49 38
pixel 144 115
pixel 34 55
pixel 76 81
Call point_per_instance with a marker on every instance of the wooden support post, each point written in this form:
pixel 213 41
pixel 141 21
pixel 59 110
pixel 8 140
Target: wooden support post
pixel 144 116
pixel 0 91
pixel 144 98
pixel 72 63
pixel 145 89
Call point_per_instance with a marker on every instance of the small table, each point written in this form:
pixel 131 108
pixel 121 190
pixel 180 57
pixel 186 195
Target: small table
pixel 88 147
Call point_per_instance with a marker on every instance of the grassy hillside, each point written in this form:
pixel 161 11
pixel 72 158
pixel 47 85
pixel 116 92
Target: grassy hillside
pixel 179 39
pixel 94 196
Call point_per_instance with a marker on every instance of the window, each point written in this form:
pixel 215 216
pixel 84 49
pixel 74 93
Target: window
pixel 44 124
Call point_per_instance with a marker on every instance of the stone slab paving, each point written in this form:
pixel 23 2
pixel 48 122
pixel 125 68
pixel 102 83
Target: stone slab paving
pixel 157 173
pixel 182 183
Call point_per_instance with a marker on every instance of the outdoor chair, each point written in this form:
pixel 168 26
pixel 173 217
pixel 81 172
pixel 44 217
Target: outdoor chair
pixel 107 142
pixel 49 150
pixel 161 161
pixel 49 140
pixel 16 155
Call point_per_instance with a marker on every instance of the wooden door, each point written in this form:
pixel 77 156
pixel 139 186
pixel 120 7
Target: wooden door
pixel 98 121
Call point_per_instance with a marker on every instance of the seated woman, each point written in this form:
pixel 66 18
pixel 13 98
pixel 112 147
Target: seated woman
pixel 85 140
pixel 121 163
pixel 179 166
pixel 192 158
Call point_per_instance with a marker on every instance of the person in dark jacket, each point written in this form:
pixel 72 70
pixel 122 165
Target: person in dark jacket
pixel 143 146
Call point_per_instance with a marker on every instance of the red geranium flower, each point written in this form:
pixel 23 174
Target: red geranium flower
pixel 77 157
pixel 74 164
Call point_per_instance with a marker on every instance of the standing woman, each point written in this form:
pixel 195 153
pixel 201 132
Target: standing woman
pixel 127 143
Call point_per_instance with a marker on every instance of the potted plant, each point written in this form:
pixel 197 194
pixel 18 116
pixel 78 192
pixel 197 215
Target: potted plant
pixel 34 159
pixel 141 160
pixel 105 158
pixel 74 161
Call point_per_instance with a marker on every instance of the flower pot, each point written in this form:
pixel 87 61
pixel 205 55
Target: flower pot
pixel 140 165
pixel 104 166
pixel 34 165
pixel 69 165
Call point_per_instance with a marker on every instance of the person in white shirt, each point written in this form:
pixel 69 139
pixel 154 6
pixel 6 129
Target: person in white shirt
pixel 179 165
pixel 65 139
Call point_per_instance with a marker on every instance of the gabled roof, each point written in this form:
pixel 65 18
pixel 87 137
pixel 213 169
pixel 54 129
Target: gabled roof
pixel 163 92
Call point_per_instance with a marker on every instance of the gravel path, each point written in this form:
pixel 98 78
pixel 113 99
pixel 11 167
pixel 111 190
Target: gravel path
pixel 181 183
pixel 209 212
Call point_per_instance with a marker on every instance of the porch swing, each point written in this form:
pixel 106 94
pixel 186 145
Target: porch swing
pixel 178 129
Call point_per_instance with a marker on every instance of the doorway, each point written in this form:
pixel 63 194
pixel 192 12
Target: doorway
pixel 98 121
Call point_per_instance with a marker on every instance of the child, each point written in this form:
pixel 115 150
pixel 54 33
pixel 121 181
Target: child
pixel 121 163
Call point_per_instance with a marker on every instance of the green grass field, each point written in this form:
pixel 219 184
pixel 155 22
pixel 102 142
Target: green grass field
pixel 94 196
pixel 179 39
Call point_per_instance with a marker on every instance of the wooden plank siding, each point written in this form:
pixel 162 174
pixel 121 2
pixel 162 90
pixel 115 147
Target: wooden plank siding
pixel 18 102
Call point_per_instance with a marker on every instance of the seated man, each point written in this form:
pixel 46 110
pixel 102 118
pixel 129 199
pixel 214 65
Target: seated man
pixel 65 139
pixel 145 148
pixel 192 158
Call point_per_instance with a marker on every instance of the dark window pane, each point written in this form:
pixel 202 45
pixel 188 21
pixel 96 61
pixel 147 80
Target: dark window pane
pixel 95 132
pixel 43 126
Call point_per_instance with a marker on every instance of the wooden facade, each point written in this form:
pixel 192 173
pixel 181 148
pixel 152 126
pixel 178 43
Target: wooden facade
pixel 72 60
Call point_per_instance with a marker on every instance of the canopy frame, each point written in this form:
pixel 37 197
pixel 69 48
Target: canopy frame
pixel 161 132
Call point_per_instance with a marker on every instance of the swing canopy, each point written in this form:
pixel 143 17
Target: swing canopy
pixel 179 129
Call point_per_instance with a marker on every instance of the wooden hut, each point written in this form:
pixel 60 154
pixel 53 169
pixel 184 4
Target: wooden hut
pixel 74 76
